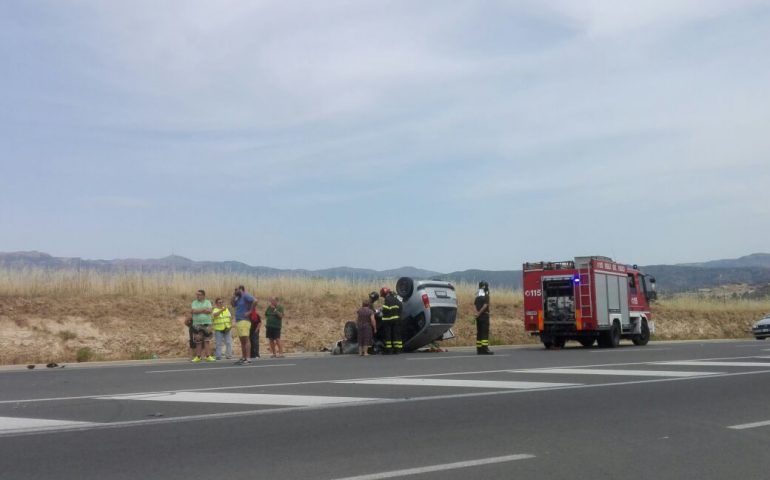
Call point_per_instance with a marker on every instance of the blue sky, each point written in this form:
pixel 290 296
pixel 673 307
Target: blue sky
pixel 443 135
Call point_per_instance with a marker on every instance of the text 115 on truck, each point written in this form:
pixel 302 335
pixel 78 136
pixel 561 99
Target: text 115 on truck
pixel 587 299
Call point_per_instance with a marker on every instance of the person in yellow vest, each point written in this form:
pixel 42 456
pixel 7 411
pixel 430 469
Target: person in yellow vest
pixel 222 323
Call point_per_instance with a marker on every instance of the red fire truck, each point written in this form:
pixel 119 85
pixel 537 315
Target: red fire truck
pixel 588 299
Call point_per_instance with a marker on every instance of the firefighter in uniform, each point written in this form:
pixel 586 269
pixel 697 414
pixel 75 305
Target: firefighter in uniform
pixel 391 321
pixel 482 320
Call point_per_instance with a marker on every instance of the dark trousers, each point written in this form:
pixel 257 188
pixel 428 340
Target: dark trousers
pixel 482 332
pixel 391 335
pixel 254 339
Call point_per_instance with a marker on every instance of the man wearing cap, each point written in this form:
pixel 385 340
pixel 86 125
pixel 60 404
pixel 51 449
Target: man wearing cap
pixel 482 320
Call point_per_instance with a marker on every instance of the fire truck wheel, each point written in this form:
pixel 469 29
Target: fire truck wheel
pixel 559 342
pixel 614 334
pixel 587 342
pixel 547 343
pixel 611 338
pixel 350 331
pixel 643 337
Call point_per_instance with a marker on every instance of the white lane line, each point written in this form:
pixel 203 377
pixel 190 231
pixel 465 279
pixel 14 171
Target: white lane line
pixel 459 356
pixel 623 350
pixel 212 369
pixel 438 382
pixel 705 363
pixel 315 382
pixel 440 468
pixel 750 425
pixel 241 398
pixel 19 425
pixel 630 373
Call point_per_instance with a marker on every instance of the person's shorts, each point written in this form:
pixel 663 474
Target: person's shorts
pixel 243 327
pixel 202 333
pixel 273 333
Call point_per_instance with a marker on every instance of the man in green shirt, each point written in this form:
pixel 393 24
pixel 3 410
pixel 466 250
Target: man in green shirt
pixel 201 325
pixel 273 324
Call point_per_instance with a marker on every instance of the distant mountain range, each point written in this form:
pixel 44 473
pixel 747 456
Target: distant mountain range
pixel 752 269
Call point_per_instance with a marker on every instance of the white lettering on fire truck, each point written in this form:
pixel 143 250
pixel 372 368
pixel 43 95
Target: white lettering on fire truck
pixel 533 293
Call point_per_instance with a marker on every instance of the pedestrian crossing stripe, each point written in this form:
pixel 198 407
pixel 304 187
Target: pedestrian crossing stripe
pixel 16 424
pixel 240 398
pixel 709 363
pixel 630 373
pixel 443 382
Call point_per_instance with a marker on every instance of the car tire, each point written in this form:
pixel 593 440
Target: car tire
pixel 405 287
pixel 350 331
pixel 644 337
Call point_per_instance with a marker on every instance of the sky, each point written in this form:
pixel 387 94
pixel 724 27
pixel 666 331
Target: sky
pixel 445 135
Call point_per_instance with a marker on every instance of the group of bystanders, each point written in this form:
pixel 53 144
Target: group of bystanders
pixel 242 315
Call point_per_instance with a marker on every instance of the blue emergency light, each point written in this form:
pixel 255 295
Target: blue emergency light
pixel 576 279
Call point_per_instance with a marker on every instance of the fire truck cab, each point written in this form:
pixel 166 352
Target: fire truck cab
pixel 587 299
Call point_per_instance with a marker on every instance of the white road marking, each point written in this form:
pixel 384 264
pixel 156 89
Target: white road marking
pixel 750 425
pixel 240 398
pixel 459 356
pixel 630 373
pixel 383 401
pixel 213 369
pixel 622 350
pixel 16 425
pixel 706 363
pixel 439 382
pixel 440 468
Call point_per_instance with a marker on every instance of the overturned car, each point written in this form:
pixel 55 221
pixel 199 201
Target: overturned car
pixel 429 311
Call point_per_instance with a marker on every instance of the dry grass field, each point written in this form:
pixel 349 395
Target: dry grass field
pixel 69 316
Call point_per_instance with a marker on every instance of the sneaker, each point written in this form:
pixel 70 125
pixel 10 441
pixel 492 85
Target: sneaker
pixel 196 360
pixel 211 359
pixel 245 361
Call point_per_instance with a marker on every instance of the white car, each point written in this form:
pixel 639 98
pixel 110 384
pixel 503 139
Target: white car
pixel 761 329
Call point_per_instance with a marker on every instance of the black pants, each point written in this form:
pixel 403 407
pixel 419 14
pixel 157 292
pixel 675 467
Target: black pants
pixel 391 335
pixel 254 339
pixel 482 332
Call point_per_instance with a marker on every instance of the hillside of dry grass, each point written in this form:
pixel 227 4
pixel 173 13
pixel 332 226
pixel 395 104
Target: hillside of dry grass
pixel 69 316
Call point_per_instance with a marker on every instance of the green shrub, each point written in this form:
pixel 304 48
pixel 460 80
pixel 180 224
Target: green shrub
pixel 67 335
pixel 84 354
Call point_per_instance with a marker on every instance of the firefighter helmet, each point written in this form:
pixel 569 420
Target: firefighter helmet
pixel 384 291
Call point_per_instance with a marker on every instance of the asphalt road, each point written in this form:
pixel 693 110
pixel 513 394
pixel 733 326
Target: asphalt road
pixel 664 411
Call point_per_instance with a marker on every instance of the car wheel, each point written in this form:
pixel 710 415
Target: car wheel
pixel 351 331
pixel 643 337
pixel 405 287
